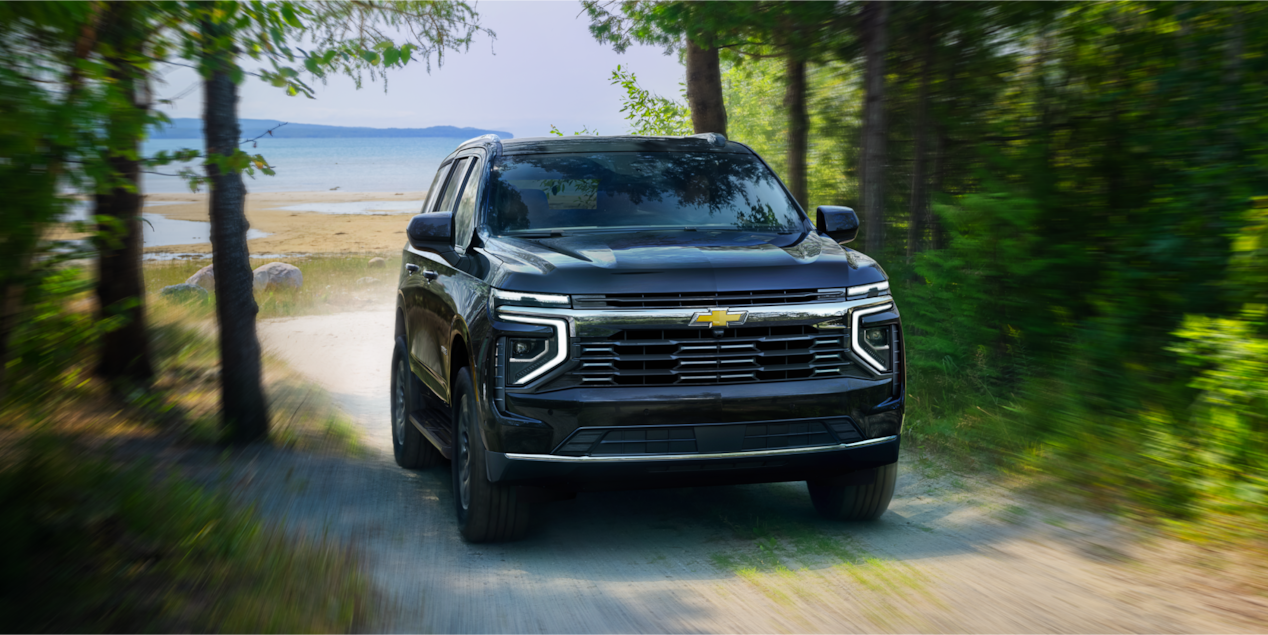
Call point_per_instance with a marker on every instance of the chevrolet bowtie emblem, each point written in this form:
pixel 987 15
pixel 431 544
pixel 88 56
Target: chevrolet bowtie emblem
pixel 718 318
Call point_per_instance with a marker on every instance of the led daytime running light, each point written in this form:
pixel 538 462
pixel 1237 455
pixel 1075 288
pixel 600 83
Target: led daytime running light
pixel 882 288
pixel 855 319
pixel 561 334
pixel 542 299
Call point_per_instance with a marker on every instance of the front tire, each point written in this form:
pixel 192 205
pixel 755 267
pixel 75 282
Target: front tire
pixel 410 448
pixel 837 499
pixel 487 511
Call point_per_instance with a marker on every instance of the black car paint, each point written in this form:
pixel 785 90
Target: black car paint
pixel 443 311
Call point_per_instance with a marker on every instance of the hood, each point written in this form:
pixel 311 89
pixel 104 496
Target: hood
pixel 678 261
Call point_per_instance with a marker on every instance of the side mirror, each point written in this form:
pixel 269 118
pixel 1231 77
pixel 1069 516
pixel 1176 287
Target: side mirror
pixel 431 232
pixel 838 223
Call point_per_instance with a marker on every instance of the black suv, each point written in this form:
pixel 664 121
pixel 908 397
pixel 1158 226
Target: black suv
pixel 634 312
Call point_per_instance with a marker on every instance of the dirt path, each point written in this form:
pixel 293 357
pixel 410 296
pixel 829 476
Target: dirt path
pixel 948 556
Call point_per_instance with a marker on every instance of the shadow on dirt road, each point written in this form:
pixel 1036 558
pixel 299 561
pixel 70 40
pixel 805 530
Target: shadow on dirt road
pixel 949 555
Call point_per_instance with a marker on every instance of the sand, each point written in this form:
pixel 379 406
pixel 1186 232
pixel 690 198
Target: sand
pixel 301 232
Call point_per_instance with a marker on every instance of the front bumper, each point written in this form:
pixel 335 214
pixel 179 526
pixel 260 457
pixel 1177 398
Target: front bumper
pixel 641 472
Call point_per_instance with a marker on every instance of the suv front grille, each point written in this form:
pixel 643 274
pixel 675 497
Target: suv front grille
pixel 706 356
pixel 707 299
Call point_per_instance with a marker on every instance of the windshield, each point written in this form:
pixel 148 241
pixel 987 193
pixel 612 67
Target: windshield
pixel 604 191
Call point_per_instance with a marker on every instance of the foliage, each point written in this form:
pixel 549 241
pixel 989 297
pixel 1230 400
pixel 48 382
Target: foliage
pixel 49 343
pixel 648 113
pixel 1087 309
pixel 754 92
pixel 86 545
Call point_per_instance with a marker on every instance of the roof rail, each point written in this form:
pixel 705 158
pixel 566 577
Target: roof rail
pixel 713 138
pixel 487 139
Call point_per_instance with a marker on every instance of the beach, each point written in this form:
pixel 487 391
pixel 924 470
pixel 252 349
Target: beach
pixel 370 222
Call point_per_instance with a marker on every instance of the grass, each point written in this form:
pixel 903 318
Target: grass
pixel 100 531
pixel 186 394
pixel 89 545
pixel 330 283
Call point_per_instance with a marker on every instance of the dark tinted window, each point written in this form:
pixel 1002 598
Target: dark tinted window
pixel 433 193
pixel 464 215
pixel 451 188
pixel 636 190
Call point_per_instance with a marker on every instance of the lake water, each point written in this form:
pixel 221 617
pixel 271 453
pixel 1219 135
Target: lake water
pixel 160 231
pixel 303 165
pixel 319 165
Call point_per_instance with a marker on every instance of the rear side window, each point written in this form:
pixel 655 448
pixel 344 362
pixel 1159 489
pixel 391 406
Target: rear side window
pixel 456 178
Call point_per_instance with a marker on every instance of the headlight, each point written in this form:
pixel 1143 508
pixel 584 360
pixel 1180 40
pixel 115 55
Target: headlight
pixel 518 298
pixel 528 357
pixel 872 343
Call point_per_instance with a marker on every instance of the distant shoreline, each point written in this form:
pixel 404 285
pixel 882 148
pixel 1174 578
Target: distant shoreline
pixel 189 128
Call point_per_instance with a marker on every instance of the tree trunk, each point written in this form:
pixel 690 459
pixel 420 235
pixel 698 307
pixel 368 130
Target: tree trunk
pixel 242 397
pixel 798 128
pixel 937 235
pixel 704 89
pixel 875 18
pixel 919 209
pixel 125 352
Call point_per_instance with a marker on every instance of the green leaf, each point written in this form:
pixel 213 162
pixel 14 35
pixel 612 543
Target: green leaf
pixel 311 64
pixel 288 14
pixel 391 56
pixel 370 56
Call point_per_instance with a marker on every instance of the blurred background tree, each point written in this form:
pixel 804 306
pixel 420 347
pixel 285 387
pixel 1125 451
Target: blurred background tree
pixel 1059 192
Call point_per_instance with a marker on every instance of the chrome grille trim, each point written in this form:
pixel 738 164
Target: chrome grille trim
pixel 600 322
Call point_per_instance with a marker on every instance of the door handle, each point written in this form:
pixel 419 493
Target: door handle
pixel 411 268
pixel 430 275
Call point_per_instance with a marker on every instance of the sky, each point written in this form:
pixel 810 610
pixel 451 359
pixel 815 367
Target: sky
pixel 543 68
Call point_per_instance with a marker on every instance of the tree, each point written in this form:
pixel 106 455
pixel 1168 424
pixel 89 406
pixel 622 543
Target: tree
pixel 696 28
pixel 125 350
pixel 704 89
pixel 49 109
pixel 874 31
pixel 704 30
pixel 244 409
pixel 351 38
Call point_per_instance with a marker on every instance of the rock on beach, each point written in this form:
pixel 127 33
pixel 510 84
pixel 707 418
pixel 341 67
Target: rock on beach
pixel 205 278
pixel 278 275
pixel 184 292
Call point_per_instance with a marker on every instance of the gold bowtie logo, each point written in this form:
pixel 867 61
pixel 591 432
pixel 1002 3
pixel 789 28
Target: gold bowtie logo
pixel 718 318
